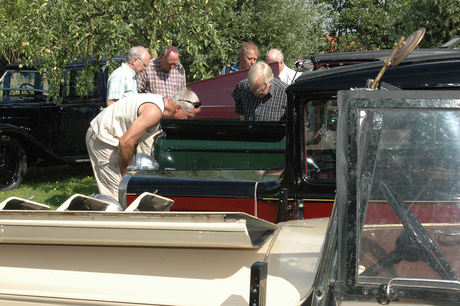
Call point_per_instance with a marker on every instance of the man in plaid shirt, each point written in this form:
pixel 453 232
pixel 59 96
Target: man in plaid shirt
pixel 260 97
pixel 164 76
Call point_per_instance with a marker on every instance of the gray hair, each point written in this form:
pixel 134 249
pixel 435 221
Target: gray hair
pixel 275 53
pixel 136 52
pixel 246 47
pixel 260 69
pixel 182 97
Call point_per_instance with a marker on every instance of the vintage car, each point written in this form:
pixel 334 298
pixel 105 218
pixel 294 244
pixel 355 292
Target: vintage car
pixel 304 185
pixel 392 237
pixel 226 144
pixel 35 129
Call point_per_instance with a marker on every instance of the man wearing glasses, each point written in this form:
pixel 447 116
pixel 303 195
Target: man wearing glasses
pixel 115 132
pixel 122 82
pixel 164 75
pixel 260 97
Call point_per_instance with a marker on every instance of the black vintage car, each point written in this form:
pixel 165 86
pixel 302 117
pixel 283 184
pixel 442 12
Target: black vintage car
pixel 35 129
pixel 305 186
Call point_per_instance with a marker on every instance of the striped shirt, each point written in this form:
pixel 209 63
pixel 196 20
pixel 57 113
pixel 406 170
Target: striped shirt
pixel 272 107
pixel 122 83
pixel 159 81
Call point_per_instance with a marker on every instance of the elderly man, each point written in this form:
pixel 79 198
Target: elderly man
pixel 287 75
pixel 260 97
pixel 248 55
pixel 122 82
pixel 114 133
pixel 164 76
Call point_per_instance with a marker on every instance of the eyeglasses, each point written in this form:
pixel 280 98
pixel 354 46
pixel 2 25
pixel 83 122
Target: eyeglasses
pixel 260 91
pixel 145 65
pixel 195 104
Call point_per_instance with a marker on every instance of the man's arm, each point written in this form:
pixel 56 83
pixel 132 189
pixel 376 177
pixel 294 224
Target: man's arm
pixel 142 80
pixel 182 81
pixel 236 94
pixel 149 117
pixel 115 88
pixel 110 102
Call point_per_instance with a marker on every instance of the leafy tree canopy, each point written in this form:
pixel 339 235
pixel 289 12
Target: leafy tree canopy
pixel 208 33
pixel 378 24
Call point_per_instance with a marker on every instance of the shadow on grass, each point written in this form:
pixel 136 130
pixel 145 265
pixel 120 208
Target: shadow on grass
pixel 41 175
pixel 54 185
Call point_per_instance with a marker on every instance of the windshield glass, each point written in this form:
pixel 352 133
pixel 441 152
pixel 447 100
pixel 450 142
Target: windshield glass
pixel 321 139
pixel 408 195
pixel 20 83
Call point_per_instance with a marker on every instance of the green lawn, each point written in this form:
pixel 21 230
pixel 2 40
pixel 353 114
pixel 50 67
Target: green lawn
pixel 54 185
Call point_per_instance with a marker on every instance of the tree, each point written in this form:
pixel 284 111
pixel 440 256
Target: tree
pixel 296 27
pixel 368 23
pixel 61 31
pixel 440 18
pixel 207 32
pixel 378 24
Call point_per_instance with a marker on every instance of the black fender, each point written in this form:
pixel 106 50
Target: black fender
pixel 35 151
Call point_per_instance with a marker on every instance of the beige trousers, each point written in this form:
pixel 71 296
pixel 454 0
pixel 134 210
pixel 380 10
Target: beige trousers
pixel 105 163
pixel 145 146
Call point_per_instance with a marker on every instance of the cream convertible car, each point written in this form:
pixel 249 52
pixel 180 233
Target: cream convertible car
pixel 393 236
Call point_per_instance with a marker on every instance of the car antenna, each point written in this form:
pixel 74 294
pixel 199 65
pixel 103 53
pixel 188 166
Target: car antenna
pixel 402 49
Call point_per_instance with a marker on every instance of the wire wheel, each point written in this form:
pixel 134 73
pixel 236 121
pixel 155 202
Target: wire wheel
pixel 13 163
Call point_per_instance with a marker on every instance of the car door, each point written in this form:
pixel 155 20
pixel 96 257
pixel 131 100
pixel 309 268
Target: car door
pixel 82 101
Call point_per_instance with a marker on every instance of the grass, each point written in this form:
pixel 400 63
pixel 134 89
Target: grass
pixel 54 185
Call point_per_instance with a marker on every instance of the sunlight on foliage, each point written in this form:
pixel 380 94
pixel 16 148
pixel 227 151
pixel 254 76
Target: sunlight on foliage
pixel 207 33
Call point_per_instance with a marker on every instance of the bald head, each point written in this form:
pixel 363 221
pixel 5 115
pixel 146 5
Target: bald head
pixel 168 49
pixel 275 55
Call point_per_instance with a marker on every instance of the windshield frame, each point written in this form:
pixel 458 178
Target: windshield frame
pixel 42 82
pixel 349 211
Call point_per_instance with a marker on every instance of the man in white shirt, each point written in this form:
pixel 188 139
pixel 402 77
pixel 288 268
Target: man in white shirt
pixel 122 82
pixel 287 75
pixel 115 132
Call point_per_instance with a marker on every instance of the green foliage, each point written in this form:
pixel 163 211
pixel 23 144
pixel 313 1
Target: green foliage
pixel 378 24
pixel 295 27
pixel 366 22
pixel 207 32
pixel 440 18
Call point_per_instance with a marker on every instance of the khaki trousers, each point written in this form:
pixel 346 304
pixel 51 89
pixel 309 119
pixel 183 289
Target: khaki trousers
pixel 105 163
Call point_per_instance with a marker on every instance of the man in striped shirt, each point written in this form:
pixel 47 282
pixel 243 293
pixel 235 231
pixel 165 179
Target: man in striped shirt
pixel 122 82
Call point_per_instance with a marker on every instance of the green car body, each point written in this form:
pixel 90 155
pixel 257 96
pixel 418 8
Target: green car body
pixel 232 144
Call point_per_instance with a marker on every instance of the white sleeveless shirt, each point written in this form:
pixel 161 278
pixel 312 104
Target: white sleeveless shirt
pixel 110 124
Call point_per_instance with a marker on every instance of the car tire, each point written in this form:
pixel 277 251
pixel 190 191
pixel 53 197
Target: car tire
pixel 13 163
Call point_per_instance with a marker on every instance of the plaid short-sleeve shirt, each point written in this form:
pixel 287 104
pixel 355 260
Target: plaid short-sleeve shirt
pixel 272 107
pixel 159 81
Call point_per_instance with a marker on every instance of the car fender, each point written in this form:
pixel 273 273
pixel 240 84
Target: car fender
pixel 33 148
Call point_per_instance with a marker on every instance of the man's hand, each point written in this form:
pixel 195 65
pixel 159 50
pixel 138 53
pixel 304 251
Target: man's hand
pixel 149 118
pixel 110 102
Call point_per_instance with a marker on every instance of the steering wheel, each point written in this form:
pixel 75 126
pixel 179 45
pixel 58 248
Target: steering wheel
pixel 413 243
pixel 24 85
